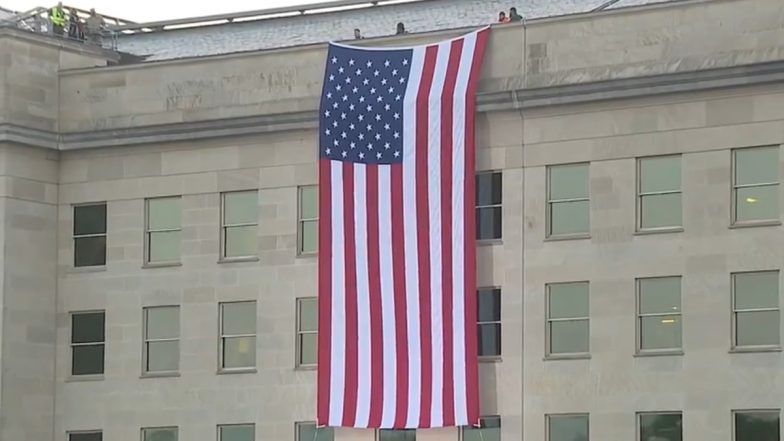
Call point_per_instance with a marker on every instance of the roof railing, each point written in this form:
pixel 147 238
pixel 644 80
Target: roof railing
pixel 260 14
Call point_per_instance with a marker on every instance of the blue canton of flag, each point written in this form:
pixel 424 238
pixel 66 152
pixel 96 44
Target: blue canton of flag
pixel 362 105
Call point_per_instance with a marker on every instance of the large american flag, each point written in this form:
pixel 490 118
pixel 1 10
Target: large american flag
pixel 397 266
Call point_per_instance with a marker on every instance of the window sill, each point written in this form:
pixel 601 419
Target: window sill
pixel 659 231
pixel 239 259
pixel 160 375
pixel 769 223
pixel 307 255
pixel 237 371
pixel 83 378
pixel 490 359
pixel 567 237
pixel 673 353
pixel 488 242
pixel 161 265
pixel 751 350
pixel 306 367
pixel 87 269
pixel 560 357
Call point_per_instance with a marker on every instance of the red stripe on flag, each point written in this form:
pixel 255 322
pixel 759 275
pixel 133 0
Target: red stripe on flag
pixel 376 317
pixel 398 269
pixel 423 232
pixel 325 290
pixel 352 367
pixel 472 380
pixel 447 146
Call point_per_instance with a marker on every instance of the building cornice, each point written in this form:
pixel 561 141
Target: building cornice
pixel 520 99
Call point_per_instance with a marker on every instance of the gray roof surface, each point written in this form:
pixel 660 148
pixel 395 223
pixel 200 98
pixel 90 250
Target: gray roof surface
pixel 377 21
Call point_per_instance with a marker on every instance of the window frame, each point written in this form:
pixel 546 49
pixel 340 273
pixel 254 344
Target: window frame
pixel 641 196
pixel 734 311
pixel 734 222
pixel 222 338
pixel 146 341
pixel 500 205
pixel 298 424
pixel 299 332
pixel 71 344
pixel 639 415
pixel 224 227
pixel 69 433
pixel 549 355
pixel 219 435
pixel 75 237
pixel 176 431
pixel 498 323
pixel 148 233
pixel 379 431
pixel 549 203
pixel 639 350
pixel 481 421
pixel 301 221
pixel 735 412
pixel 548 417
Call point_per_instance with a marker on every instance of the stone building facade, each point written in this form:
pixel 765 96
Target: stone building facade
pixel 638 151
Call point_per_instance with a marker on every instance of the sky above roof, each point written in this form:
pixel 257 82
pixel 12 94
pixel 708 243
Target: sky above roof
pixel 152 10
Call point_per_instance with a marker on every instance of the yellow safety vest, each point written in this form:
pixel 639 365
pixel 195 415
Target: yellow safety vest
pixel 57 16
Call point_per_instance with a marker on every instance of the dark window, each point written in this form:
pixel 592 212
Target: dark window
pixel 661 427
pixel 489 430
pixel 90 235
pixel 87 343
pixel 489 322
pixel 397 435
pixel 85 436
pixel 761 425
pixel 488 206
pixel 309 432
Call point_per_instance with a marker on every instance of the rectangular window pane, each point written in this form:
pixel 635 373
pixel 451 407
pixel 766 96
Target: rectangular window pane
pixel 87 327
pixel 757 290
pixel 164 214
pixel 241 241
pixel 237 433
pixel 239 318
pixel 160 434
pixel 239 352
pixel 308 202
pixel 660 174
pixel 757 426
pixel 489 430
pixel 87 360
pixel 569 337
pixel 90 251
pixel 489 305
pixel 569 181
pixel 488 189
pixel 568 300
pixel 165 246
pixel 569 217
pixel 308 314
pixel 567 427
pixel 660 295
pixel 240 208
pixel 489 340
pixel 760 328
pixel 93 436
pixel 397 435
pixel 90 219
pixel 661 210
pixel 308 348
pixel 163 322
pixel 757 203
pixel 488 223
pixel 163 356
pixel 309 432
pixel 660 427
pixel 660 332
pixel 309 236
pixel 756 166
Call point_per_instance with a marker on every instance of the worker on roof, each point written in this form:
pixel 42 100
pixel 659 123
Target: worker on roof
pixel 94 27
pixel 502 18
pixel 57 17
pixel 514 16
pixel 75 26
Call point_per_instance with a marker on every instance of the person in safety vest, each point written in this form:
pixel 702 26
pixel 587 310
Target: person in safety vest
pixel 57 17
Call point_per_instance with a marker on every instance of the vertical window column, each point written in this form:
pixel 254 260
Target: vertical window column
pixel 756 314
pixel 568 325
pixel 238 335
pixel 240 225
pixel 87 343
pixel 755 185
pixel 489 322
pixel 164 225
pixel 307 220
pixel 89 235
pixel 307 331
pixel 568 206
pixel 489 195
pixel 659 319
pixel 659 193
pixel 161 339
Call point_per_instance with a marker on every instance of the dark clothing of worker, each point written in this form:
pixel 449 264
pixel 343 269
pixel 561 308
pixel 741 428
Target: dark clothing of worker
pixel 74 26
pixel 514 16
pixel 401 29
pixel 57 17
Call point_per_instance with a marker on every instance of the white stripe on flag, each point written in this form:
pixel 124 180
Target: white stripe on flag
pixel 338 343
pixel 458 231
pixel 363 296
pixel 410 235
pixel 387 295
pixel 434 204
